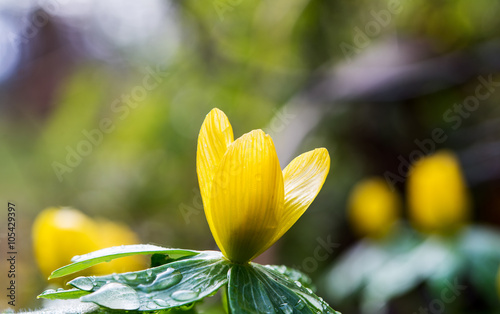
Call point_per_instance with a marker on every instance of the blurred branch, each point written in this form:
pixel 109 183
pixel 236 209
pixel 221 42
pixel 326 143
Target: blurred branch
pixel 386 72
pixel 395 71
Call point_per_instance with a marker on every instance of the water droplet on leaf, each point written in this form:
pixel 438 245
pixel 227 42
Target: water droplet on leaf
pixel 184 295
pixel 115 296
pixel 300 305
pixel 161 302
pixel 163 281
pixel 82 283
pixel 130 276
pixel 152 305
pixel 286 308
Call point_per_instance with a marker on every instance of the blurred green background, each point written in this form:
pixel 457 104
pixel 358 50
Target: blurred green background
pixel 101 104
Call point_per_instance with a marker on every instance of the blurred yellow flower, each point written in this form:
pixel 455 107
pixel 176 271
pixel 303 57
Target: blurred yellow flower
pixel 437 195
pixel 61 233
pixel 249 201
pixel 114 234
pixel 373 208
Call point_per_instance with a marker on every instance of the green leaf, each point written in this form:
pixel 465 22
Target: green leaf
pixel 180 283
pixel 294 275
pixel 61 294
pixel 481 253
pixel 254 288
pixel 105 255
pixel 159 259
pixel 176 284
pixel 381 253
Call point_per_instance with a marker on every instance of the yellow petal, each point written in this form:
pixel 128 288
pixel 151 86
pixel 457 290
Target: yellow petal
pixel 247 196
pixel 303 178
pixel 215 136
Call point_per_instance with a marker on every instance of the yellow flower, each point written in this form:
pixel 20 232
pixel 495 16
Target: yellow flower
pixel 114 234
pixel 373 207
pixel 249 202
pixel 437 196
pixel 61 233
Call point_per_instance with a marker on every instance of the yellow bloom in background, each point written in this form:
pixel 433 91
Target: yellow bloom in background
pixel 373 208
pixel 249 201
pixel 114 234
pixel 61 233
pixel 437 195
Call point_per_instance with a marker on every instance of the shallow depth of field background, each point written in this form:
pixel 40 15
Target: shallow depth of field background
pixel 368 80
